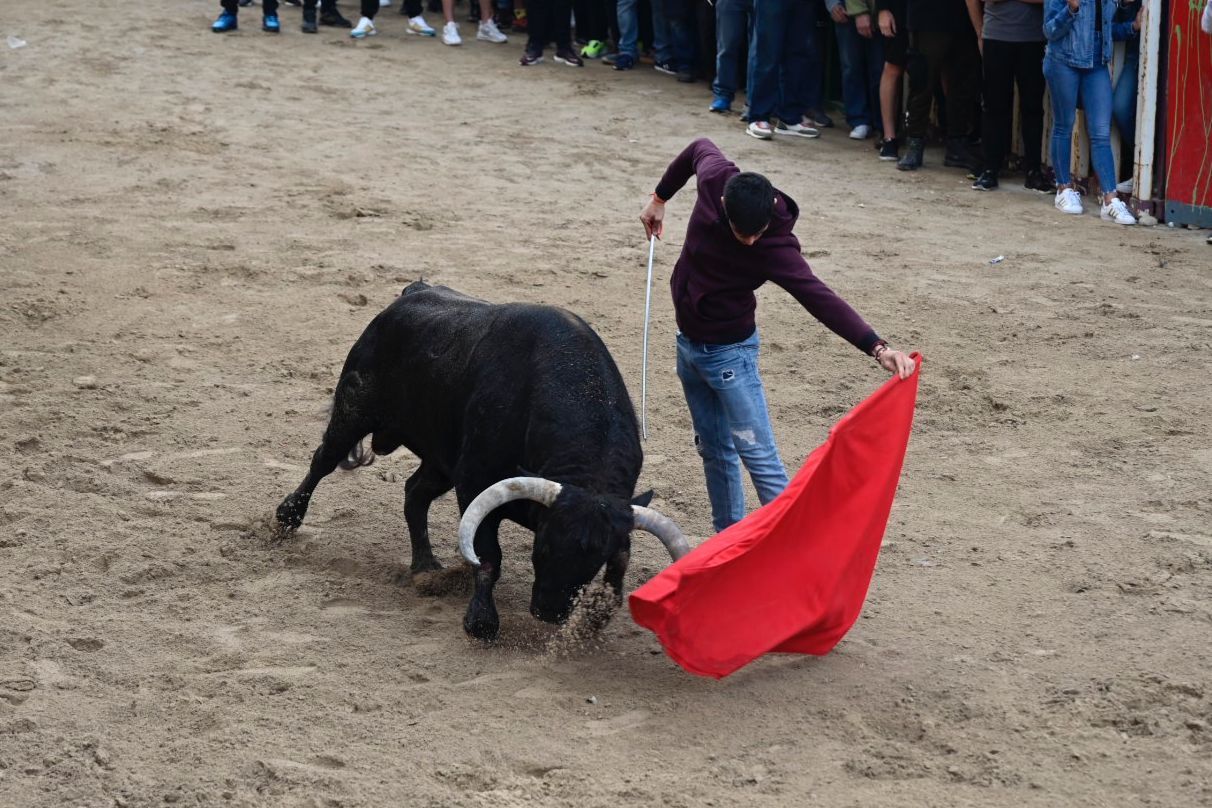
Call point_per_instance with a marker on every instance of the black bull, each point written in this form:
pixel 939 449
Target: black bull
pixel 480 392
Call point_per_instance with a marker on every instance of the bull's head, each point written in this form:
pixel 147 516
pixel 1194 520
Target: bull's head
pixel 577 534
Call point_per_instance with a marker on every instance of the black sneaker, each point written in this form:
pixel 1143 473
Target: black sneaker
pixel 1037 182
pixel 309 27
pixel 987 181
pixel 665 67
pixel 889 149
pixel 529 59
pixel 334 19
pixel 569 57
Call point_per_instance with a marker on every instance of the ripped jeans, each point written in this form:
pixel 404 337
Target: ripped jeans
pixel 731 424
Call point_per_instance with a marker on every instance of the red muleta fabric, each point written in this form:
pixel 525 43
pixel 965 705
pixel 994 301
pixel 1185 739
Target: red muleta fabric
pixel 792 576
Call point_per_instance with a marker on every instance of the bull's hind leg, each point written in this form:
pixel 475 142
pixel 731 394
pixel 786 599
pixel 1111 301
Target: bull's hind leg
pixel 347 426
pixel 423 487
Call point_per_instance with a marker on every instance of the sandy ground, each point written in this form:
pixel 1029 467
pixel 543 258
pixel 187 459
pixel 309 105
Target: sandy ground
pixel 193 231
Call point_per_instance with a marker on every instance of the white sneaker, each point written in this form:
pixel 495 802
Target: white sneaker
pixel 418 26
pixel 384 3
pixel 364 28
pixel 797 129
pixel 1067 201
pixel 1117 212
pixel 450 33
pixel 760 130
pixel 1126 187
pixel 488 32
pixel 860 132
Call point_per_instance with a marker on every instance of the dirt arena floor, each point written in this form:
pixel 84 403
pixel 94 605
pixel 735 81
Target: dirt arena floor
pixel 193 231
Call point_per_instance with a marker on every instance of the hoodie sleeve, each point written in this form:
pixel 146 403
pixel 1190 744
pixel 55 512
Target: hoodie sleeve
pixel 1058 20
pixel 701 158
pixel 792 272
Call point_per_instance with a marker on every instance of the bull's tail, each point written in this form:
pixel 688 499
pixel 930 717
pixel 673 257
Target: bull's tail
pixel 358 456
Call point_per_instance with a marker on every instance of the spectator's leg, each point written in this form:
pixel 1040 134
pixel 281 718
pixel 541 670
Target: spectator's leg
pixel 797 71
pixel 1029 74
pixel 891 78
pixel 662 43
pixel 766 57
pixel 998 67
pixel 680 16
pixel 628 14
pixel 1096 100
pixel 926 53
pixel 963 94
pixel 854 74
pixel 1123 107
pixel 731 22
pixel 1062 90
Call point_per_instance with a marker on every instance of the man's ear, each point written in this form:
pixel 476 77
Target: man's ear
pixel 643 499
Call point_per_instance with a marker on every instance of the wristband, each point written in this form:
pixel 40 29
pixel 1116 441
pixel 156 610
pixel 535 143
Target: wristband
pixel 879 349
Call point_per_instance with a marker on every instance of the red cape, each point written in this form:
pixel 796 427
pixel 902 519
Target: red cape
pixel 792 576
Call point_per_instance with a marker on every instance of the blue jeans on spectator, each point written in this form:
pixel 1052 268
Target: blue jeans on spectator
pixel 862 61
pixel 731 424
pixel 733 26
pixel 1092 88
pixel 662 48
pixel 1123 100
pixel 680 16
pixel 786 67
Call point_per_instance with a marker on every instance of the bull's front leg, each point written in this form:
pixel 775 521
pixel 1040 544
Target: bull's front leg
pixel 422 488
pixel 481 620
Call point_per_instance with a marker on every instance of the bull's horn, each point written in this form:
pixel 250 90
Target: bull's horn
pixel 494 496
pixel 663 528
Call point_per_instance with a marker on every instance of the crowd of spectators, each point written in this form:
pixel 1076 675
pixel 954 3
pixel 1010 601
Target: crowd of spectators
pixel 964 59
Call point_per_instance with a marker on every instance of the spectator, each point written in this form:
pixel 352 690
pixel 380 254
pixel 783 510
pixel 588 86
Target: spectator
pixel 486 31
pixel 549 21
pixel 893 29
pixel 1079 36
pixel 628 12
pixel 228 20
pixel 328 16
pixel 679 15
pixel 941 39
pixel 733 22
pixel 1123 97
pixel 1012 53
pixel 782 41
pixel 740 236
pixel 861 54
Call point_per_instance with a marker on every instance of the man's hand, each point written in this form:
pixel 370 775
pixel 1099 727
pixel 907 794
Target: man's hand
pixel 887 24
pixel 653 217
pixel 838 13
pixel 897 362
pixel 1074 5
pixel 862 24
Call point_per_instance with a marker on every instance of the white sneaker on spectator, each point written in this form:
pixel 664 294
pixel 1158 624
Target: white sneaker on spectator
pixel 488 32
pixel 364 28
pixel 418 26
pixel 384 3
pixel 1067 201
pixel 450 33
pixel 760 130
pixel 860 132
pixel 1117 212
pixel 1126 187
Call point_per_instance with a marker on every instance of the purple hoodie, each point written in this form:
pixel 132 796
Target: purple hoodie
pixel 715 276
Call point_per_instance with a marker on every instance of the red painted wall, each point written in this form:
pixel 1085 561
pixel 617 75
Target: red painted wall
pixel 1188 141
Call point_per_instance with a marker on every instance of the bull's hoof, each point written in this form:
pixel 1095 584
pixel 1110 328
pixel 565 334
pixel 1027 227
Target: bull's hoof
pixel 482 624
pixel 289 515
pixel 424 565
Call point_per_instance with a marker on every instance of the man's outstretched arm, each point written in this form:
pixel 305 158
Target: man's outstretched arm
pixel 699 158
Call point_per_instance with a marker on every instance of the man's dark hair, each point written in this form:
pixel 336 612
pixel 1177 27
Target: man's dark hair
pixel 749 202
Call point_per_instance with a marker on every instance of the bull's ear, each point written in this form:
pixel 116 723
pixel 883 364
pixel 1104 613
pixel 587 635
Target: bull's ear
pixel 643 499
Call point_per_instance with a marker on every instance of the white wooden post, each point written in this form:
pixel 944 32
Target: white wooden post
pixel 1146 101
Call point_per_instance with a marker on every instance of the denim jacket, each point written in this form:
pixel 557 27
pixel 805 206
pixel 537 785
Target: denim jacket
pixel 1071 36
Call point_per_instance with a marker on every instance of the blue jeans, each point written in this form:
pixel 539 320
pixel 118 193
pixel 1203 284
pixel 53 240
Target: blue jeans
pixel 862 62
pixel 733 26
pixel 1092 88
pixel 662 43
pixel 680 16
pixel 1123 99
pixel 785 77
pixel 731 424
